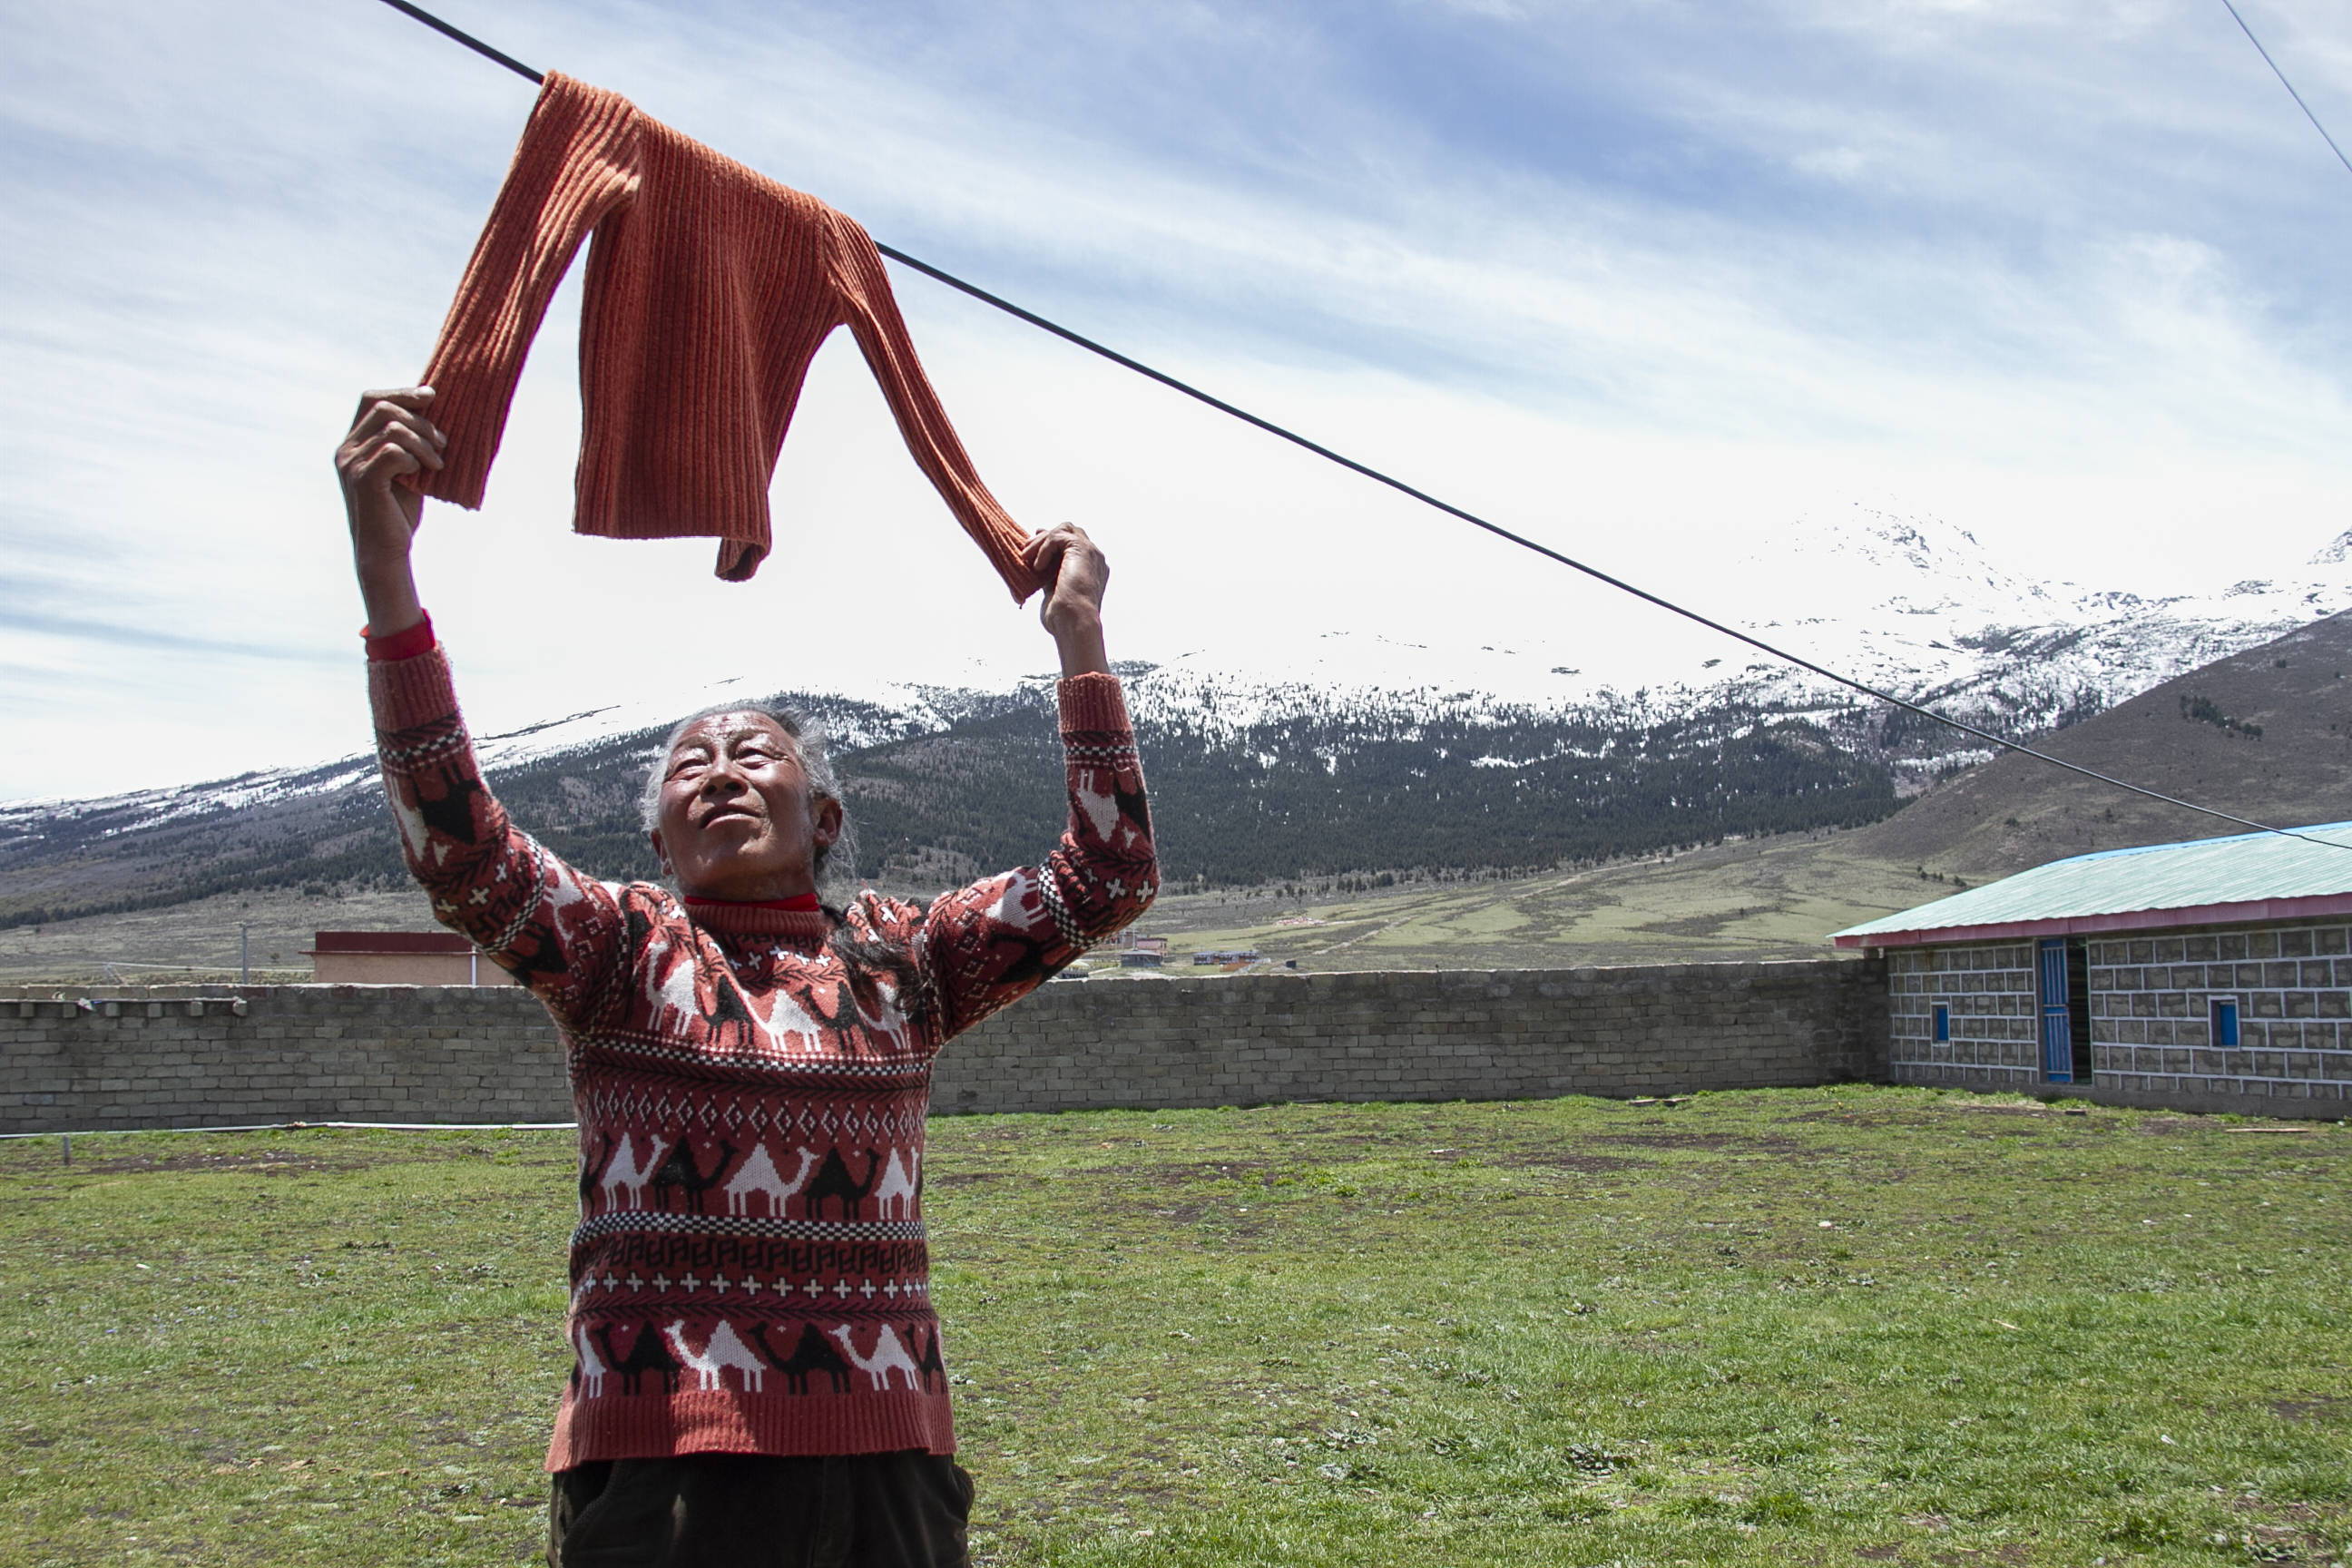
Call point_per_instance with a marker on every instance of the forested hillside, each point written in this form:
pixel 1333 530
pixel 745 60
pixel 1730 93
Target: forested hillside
pixel 2265 733
pixel 1338 755
pixel 1330 790
pixel 1307 785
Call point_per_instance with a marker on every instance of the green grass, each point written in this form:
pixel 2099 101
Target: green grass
pixel 1817 1326
pixel 1768 900
pixel 1775 897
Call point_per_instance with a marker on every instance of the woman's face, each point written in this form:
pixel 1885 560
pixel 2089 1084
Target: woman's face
pixel 737 821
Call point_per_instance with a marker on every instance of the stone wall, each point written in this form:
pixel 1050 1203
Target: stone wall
pixel 1422 1036
pixel 1989 989
pixel 225 1056
pixel 2151 1012
pixel 234 1055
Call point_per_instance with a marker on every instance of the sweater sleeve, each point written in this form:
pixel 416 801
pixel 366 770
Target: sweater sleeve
pixel 577 162
pixel 988 945
pixel 872 313
pixel 557 931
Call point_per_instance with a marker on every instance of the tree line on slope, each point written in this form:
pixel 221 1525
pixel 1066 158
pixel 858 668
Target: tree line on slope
pixel 1318 794
pixel 1313 790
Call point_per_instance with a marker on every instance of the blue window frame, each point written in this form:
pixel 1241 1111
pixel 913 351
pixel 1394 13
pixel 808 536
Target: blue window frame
pixel 1943 1024
pixel 2225 1020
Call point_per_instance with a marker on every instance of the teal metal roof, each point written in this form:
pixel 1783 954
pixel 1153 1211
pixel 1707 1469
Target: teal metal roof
pixel 2249 877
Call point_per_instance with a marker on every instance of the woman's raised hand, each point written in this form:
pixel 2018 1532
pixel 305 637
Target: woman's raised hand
pixel 390 438
pixel 1074 566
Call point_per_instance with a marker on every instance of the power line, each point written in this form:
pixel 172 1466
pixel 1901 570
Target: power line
pixel 418 12
pixel 2308 114
pixel 1365 470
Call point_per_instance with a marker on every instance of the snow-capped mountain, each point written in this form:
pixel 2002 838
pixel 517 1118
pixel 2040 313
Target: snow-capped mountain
pixel 1910 605
pixel 1947 625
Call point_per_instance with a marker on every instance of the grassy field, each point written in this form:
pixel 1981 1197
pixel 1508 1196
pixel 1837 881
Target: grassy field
pixel 1817 1326
pixel 1771 898
pixel 198 941
pixel 1774 898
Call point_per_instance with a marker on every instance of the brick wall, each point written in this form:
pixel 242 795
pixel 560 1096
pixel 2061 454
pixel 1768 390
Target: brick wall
pixel 2151 1012
pixel 1989 988
pixel 187 1056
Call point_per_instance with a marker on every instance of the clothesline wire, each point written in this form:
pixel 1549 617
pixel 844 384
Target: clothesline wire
pixel 2308 114
pixel 1367 472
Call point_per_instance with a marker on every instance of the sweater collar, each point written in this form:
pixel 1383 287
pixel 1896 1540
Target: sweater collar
pixel 802 919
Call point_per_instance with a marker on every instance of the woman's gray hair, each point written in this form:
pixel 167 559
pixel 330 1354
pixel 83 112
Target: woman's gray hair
pixel 835 863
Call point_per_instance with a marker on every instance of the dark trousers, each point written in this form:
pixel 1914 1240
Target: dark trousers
pixel 905 1509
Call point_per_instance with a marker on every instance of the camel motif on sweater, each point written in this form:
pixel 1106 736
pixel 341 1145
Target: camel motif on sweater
pixel 680 1175
pixel 814 1353
pixel 835 1185
pixel 723 1353
pixel 623 1176
pixel 647 1353
pixel 588 1371
pixel 889 1356
pixel 902 1184
pixel 759 1174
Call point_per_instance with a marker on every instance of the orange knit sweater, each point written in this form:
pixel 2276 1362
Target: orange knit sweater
pixel 710 289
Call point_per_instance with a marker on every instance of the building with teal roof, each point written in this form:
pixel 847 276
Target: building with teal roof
pixel 2212 974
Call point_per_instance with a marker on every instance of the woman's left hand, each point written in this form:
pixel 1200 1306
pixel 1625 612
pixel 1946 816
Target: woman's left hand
pixel 1072 611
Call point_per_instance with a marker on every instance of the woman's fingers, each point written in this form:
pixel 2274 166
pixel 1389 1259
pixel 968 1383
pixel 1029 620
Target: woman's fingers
pixel 424 444
pixel 383 461
pixel 386 415
pixel 399 408
pixel 1076 573
pixel 412 398
pixel 362 454
pixel 1048 545
pixel 390 438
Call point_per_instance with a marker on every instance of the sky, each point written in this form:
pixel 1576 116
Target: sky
pixel 1647 281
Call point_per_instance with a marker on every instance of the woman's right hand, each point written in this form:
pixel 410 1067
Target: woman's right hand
pixel 390 438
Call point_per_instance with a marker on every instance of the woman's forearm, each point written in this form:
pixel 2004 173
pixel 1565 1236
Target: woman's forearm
pixel 1080 641
pixel 391 440
pixel 388 589
pixel 1077 574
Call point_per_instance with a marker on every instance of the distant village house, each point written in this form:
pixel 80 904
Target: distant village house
pixel 2215 975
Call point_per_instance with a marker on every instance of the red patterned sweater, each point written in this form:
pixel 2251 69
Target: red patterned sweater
pixel 748 1275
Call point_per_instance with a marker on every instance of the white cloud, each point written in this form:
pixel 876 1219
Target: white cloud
pixel 1636 281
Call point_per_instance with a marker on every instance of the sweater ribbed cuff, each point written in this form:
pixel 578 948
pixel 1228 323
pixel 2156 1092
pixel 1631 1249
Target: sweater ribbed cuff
pixel 1093 702
pixel 407 693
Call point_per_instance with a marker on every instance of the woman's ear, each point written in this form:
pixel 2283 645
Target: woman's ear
pixel 824 821
pixel 661 855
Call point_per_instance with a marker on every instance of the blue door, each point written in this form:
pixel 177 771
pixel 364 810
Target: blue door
pixel 2057 1027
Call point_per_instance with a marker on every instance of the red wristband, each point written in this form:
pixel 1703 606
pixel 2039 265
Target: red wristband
pixel 406 644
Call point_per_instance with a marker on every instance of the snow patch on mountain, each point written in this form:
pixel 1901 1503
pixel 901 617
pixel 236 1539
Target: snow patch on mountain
pixel 1906 604
pixel 1910 605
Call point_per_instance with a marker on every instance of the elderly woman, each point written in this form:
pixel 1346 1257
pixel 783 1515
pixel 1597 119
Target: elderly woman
pixel 758 1375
